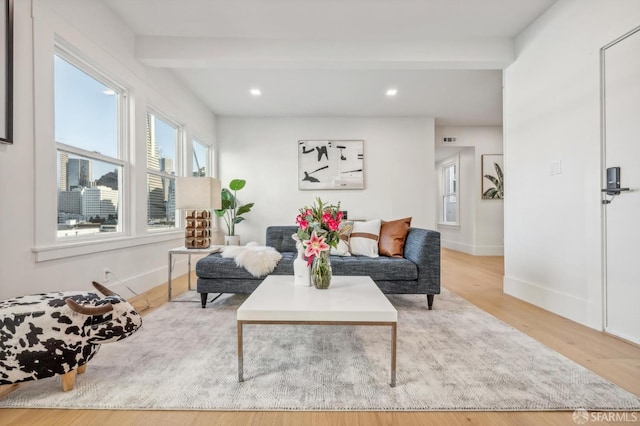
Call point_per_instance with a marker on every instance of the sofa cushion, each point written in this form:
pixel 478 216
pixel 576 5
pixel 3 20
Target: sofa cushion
pixel 364 238
pixel 285 266
pixel 215 266
pixel 379 268
pixel 392 237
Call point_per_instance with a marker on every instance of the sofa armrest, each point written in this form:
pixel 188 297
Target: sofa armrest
pixel 422 247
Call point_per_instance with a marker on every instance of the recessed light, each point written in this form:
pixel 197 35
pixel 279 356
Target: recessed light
pixel 255 92
pixel 392 92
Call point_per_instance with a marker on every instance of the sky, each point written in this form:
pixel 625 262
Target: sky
pixel 86 116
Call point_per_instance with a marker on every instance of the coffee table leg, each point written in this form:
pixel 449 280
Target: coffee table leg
pixel 393 354
pixel 240 366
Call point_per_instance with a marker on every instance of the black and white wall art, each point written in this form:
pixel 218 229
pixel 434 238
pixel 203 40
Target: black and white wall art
pixel 330 164
pixel 492 177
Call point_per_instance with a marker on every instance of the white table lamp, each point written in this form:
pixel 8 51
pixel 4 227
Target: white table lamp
pixel 198 195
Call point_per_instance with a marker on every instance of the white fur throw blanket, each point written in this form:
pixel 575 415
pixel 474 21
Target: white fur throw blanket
pixel 257 260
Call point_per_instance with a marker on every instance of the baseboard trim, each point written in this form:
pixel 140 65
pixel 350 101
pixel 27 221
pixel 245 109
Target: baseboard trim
pixel 473 250
pixel 141 283
pixel 563 304
pixel 489 250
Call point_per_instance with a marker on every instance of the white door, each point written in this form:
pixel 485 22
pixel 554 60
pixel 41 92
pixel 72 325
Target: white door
pixel 621 91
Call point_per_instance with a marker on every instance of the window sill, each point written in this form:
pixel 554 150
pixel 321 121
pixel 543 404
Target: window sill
pixel 449 225
pixel 61 251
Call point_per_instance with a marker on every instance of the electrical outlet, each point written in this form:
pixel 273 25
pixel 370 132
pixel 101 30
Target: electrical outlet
pixel 105 274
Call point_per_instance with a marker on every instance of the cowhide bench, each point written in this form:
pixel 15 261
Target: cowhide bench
pixel 47 334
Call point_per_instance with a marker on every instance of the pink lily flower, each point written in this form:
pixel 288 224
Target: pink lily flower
pixel 314 245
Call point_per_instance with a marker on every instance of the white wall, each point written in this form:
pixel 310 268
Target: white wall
pixel 552 113
pixel 399 158
pixel 481 227
pixel 107 42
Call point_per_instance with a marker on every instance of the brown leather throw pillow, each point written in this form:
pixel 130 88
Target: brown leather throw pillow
pixel 392 237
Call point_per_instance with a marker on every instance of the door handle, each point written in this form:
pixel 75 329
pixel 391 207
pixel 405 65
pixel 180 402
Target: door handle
pixel 616 191
pixel 613 192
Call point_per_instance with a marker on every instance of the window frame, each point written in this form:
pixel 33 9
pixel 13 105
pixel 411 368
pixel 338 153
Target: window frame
pixel 178 167
pixel 122 145
pixel 445 192
pixel 207 160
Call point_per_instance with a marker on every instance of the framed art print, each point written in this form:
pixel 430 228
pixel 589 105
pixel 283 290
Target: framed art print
pixel 492 177
pixel 330 164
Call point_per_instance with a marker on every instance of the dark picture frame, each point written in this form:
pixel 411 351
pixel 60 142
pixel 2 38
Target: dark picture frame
pixel 6 71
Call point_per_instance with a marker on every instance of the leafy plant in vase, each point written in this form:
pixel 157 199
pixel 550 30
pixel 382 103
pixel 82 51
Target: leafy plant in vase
pixel 318 229
pixel 231 212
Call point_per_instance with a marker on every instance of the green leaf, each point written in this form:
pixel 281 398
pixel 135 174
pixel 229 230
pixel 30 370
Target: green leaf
pixel 237 184
pixel 244 209
pixel 228 200
pixel 303 235
pixel 219 213
pixel 226 205
pixel 238 219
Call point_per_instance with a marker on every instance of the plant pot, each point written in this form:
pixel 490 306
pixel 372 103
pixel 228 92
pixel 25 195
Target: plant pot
pixel 232 240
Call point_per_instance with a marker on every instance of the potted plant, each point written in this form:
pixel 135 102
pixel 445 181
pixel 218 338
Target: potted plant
pixel 231 212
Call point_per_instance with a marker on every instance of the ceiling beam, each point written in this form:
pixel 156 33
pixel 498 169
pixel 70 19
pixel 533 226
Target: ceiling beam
pixel 229 53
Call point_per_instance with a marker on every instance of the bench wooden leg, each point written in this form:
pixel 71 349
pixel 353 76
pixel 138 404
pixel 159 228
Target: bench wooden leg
pixel 82 369
pixel 68 380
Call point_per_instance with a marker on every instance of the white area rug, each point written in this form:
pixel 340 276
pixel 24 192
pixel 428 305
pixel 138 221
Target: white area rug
pixel 456 357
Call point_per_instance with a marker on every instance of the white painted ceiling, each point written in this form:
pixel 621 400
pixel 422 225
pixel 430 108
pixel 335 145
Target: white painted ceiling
pixel 336 57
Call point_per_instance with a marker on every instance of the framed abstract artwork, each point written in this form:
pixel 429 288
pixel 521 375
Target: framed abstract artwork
pixel 6 71
pixel 492 177
pixel 330 164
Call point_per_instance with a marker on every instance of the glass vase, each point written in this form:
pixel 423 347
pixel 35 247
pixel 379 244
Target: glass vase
pixel 321 271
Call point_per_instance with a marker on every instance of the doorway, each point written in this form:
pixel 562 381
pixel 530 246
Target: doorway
pixel 621 149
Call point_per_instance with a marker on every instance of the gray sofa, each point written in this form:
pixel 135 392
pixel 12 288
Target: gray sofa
pixel 417 273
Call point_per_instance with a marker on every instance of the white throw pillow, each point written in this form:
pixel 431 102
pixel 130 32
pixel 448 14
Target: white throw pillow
pixel 364 238
pixel 343 244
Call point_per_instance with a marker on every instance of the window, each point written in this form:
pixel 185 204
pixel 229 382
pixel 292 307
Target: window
pixel 200 159
pixel 449 192
pixel 90 163
pixel 162 148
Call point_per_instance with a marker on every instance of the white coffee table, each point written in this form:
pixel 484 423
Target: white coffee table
pixel 349 301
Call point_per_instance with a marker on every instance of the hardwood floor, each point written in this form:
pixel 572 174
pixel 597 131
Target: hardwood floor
pixel 478 280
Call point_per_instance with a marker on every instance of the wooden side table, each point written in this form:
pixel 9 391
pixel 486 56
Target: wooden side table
pixel 189 252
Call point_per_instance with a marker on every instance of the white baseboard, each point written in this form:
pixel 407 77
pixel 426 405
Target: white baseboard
pixel 489 250
pixel 473 250
pixel 128 287
pixel 454 245
pixel 563 304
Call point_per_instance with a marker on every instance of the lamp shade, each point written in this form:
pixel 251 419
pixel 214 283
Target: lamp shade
pixel 198 193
